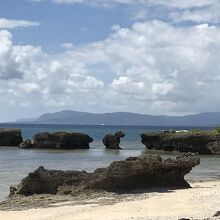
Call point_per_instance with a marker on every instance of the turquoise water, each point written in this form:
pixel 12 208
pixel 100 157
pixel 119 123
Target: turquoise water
pixel 17 163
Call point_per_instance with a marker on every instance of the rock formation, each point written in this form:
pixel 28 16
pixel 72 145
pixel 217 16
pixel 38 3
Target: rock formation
pixel 26 144
pixel 112 141
pixel 10 137
pixel 58 140
pixel 202 142
pixel 136 173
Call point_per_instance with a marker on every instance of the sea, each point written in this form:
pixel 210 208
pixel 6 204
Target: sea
pixel 16 163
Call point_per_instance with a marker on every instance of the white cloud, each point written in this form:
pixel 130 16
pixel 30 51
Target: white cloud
pixel 8 65
pixel 67 45
pixel 169 3
pixel 208 14
pixel 162 88
pixel 178 10
pixel 11 24
pixel 156 68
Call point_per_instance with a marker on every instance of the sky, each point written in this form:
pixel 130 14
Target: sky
pixel 145 56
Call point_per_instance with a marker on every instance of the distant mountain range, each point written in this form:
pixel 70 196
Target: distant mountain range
pixel 126 118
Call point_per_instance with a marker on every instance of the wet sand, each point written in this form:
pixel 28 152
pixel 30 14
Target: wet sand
pixel 202 201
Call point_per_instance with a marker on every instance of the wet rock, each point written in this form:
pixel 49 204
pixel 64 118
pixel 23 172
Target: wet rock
pixel 112 141
pixel 10 137
pixel 217 214
pixel 59 140
pixel 202 142
pixel 121 176
pixel 13 190
pixel 26 144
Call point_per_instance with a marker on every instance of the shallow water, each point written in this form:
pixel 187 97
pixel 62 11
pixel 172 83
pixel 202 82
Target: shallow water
pixel 17 163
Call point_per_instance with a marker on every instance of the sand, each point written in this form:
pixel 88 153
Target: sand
pixel 202 201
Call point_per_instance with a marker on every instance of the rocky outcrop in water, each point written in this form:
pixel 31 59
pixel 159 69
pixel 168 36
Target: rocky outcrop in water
pixel 202 142
pixel 112 141
pixel 10 137
pixel 58 140
pixel 26 144
pixel 121 176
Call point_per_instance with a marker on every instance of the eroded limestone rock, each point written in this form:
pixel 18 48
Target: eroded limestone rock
pixel 203 142
pixel 58 140
pixel 112 141
pixel 120 176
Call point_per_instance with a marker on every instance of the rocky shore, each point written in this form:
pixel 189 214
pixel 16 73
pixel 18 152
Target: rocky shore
pixel 120 176
pixel 202 142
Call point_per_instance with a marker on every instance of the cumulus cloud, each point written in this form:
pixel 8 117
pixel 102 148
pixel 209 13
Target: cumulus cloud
pixel 8 65
pixel 11 24
pixel 156 68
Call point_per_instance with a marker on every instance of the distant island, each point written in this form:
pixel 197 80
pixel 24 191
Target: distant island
pixel 126 119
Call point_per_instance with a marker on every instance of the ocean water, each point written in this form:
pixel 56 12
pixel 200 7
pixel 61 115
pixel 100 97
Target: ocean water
pixel 17 163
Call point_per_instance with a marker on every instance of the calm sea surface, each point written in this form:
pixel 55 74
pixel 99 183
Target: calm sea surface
pixel 17 163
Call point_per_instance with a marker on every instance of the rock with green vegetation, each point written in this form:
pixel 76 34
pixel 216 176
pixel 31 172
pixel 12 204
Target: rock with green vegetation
pixel 58 140
pixel 10 137
pixel 135 173
pixel 200 141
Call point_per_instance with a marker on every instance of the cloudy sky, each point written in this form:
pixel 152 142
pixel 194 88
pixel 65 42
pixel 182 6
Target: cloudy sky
pixel 145 56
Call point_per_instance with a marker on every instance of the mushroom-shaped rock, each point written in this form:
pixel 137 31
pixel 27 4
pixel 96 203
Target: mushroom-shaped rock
pixel 10 137
pixel 61 140
pixel 112 141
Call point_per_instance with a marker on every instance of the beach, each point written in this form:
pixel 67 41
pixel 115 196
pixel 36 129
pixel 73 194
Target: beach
pixel 201 201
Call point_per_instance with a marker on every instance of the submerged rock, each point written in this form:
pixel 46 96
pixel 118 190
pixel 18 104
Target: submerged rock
pixel 10 137
pixel 112 141
pixel 203 142
pixel 58 140
pixel 121 176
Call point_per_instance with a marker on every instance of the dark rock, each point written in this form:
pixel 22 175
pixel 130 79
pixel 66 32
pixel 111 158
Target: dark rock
pixel 203 142
pixel 59 140
pixel 26 144
pixel 121 176
pixel 13 190
pixel 10 137
pixel 112 141
pixel 43 181
pixel 217 214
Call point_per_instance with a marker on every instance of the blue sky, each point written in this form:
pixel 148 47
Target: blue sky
pixel 146 56
pixel 73 23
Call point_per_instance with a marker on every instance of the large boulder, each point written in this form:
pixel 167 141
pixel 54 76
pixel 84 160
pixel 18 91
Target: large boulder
pixel 58 140
pixel 121 176
pixel 202 142
pixel 112 141
pixel 10 137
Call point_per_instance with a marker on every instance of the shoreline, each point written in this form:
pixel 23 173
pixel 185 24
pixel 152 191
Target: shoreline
pixel 201 201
